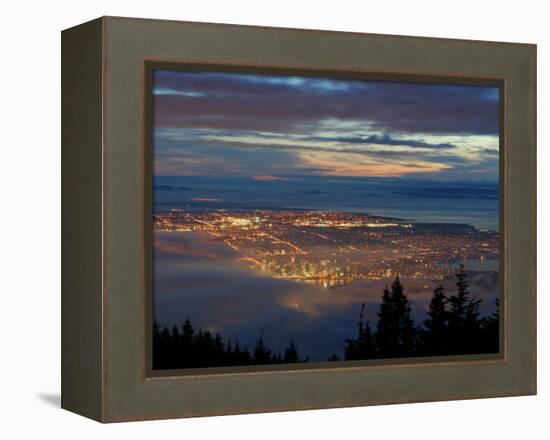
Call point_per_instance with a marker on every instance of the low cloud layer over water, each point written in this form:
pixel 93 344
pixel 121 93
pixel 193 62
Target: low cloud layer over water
pixel 199 277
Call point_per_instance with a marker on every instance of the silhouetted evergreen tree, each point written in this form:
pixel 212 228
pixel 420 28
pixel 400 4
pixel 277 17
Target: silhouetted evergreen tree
pixel 190 349
pixel 245 357
pixel 459 302
pixel 453 326
pixel 262 355
pixel 229 354
pixel 472 327
pixel 406 331
pixel 175 346
pixel 435 338
pixel 363 346
pixel 291 354
pixel 351 350
pixel 367 342
pixel 237 356
pixel 386 340
pixel 204 349
pixel 187 337
pixel 219 350
pixel 464 324
pixel 396 333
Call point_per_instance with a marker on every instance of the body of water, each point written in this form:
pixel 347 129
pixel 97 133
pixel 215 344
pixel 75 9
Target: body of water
pixel 422 201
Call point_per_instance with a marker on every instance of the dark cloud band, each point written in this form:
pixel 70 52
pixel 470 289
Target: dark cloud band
pixel 263 102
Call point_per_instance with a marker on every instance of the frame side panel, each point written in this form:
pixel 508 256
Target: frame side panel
pixel 81 212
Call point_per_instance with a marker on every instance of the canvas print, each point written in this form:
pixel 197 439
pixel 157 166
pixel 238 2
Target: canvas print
pixel 303 219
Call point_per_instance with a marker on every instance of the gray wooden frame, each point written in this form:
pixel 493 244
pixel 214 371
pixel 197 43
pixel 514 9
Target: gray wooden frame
pixel 106 193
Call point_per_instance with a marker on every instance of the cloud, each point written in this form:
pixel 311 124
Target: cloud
pixel 256 125
pixel 248 155
pixel 488 151
pixel 386 140
pixel 266 102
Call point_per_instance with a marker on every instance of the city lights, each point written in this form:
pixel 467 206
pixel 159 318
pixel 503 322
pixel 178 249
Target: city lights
pixel 336 248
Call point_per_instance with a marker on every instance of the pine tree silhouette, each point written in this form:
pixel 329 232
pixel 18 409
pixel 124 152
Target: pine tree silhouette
pixel 406 331
pixel 190 349
pixel 464 324
pixel 363 346
pixel 238 356
pixel 386 329
pixel 291 354
pixel 396 333
pixel 453 326
pixel 435 338
pixel 187 336
pixel 262 355
pixel 245 357
pixel 277 358
pixel 459 302
pixel 219 350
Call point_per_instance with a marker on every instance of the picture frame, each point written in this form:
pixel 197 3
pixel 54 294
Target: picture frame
pixel 107 226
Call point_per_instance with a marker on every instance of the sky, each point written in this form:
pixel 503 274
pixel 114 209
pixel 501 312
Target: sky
pixel 274 128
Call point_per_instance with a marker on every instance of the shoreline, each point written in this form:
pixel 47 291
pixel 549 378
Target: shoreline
pixel 324 211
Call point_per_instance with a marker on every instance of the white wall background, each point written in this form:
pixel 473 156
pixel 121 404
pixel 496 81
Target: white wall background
pixel 30 219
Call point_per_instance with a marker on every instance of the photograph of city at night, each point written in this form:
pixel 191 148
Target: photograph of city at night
pixel 303 219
